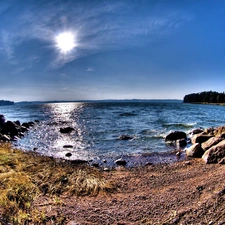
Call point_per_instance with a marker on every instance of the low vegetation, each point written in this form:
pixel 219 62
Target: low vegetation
pixel 27 176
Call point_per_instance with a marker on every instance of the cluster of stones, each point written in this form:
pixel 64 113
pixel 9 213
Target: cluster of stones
pixel 208 144
pixel 11 131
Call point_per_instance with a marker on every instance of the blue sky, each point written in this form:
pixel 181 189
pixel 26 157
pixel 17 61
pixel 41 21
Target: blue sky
pixel 147 49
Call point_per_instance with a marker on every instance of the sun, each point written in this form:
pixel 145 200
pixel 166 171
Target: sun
pixel 65 42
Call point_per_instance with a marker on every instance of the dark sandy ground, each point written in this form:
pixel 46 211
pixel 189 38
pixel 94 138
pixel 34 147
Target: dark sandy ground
pixel 185 192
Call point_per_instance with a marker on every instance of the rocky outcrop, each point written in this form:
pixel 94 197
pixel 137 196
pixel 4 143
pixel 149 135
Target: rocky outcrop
pixel 10 130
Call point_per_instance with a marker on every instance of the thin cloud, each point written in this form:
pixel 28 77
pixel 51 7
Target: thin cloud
pixel 105 26
pixel 90 69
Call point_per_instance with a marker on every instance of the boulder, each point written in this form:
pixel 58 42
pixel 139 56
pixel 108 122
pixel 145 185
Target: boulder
pixel 181 142
pixel 219 131
pixel 4 138
pixel 215 153
pixel 121 162
pixel 173 136
pixel 196 131
pixel 2 120
pixel 210 142
pixel 11 128
pixel 209 130
pixel 200 138
pixel 195 151
pixel 66 130
pixel 67 146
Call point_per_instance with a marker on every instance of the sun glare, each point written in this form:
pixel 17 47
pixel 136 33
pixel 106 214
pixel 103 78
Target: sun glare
pixel 65 42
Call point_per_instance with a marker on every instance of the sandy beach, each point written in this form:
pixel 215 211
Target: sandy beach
pixel 58 192
pixel 188 192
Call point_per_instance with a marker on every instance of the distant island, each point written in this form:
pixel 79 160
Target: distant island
pixel 210 97
pixel 6 102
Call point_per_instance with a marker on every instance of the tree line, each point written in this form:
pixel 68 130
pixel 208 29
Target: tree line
pixel 205 97
pixel 5 102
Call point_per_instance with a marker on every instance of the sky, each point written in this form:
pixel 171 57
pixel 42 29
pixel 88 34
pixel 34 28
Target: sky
pixel 104 49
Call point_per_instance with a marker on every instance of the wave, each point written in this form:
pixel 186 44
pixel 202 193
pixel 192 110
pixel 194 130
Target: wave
pixel 185 125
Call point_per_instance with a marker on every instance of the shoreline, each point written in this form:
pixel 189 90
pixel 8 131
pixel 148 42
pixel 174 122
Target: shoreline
pixel 183 192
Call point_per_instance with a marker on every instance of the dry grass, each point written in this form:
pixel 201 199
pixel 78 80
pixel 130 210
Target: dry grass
pixel 26 176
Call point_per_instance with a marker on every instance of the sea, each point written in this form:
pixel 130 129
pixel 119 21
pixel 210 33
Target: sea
pixel 99 125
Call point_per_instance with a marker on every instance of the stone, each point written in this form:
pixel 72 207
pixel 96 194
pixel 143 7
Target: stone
pixel 78 161
pixel 196 131
pixel 195 151
pixel 72 223
pixel 200 138
pixel 126 137
pixel 219 131
pixel 4 138
pixel 121 162
pixel 26 125
pixel 215 153
pixel 222 161
pixel 67 146
pixel 176 135
pixel 2 120
pixel 10 128
pixel 210 142
pixel 95 164
pixel 68 154
pixel 66 130
pixel 181 142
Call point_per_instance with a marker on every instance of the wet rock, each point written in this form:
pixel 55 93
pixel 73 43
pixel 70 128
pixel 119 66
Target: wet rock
pixel 121 162
pixel 26 125
pixel 10 128
pixel 196 131
pixel 210 142
pixel 95 164
pixel 2 120
pixel 67 146
pixel 66 130
pixel 4 138
pixel 195 151
pixel 68 154
pixel 215 153
pixel 125 137
pixel 181 142
pixel 31 124
pixel 17 122
pixel 176 135
pixel 78 161
pixel 200 138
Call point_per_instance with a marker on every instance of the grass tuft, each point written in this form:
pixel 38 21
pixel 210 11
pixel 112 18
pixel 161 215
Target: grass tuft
pixel 26 176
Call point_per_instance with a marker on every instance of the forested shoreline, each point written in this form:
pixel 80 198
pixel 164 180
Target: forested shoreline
pixel 205 97
pixel 6 102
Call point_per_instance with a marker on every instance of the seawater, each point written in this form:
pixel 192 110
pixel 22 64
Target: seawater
pixel 98 126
